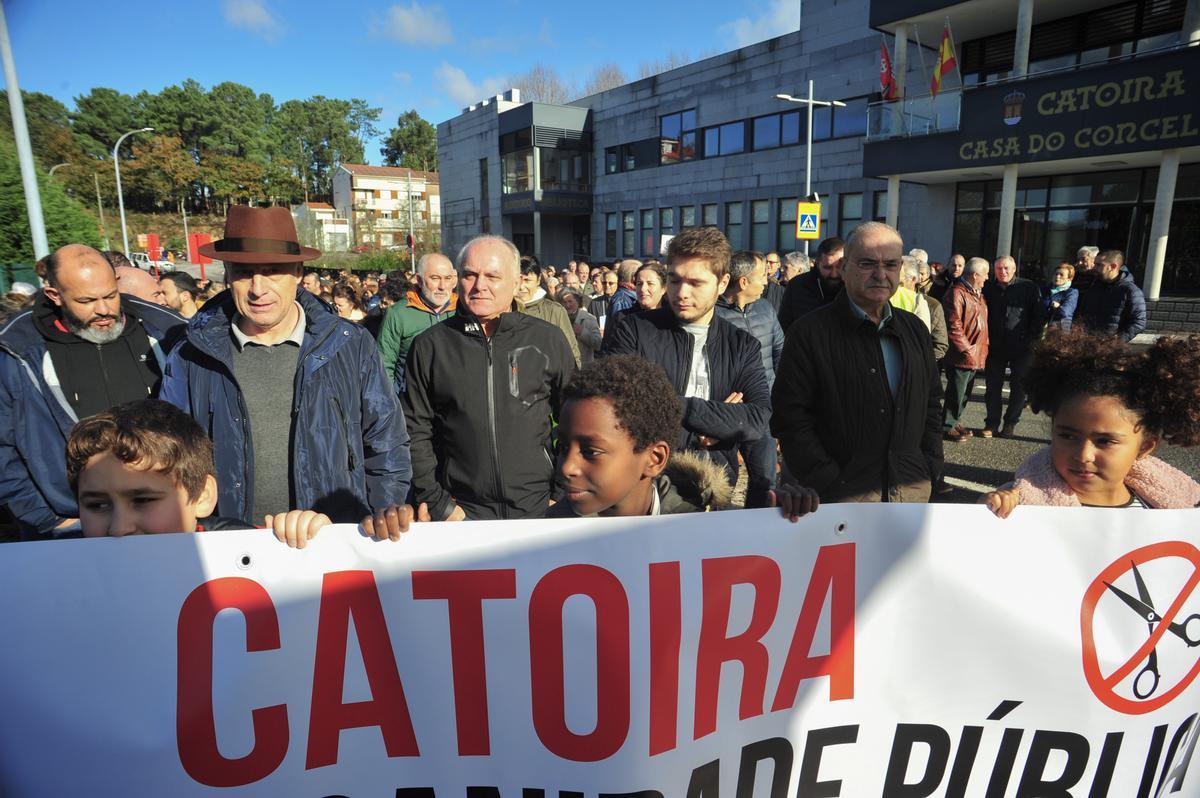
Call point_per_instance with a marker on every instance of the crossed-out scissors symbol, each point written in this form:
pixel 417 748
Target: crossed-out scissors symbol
pixel 1146 682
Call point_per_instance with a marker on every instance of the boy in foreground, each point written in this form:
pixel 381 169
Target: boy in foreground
pixel 619 417
pixel 146 467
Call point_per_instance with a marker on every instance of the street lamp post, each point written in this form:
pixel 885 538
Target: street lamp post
pixel 121 199
pixel 55 168
pixel 810 102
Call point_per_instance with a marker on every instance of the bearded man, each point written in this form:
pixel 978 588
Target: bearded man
pixel 82 347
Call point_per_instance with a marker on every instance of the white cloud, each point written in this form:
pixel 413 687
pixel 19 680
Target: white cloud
pixel 402 77
pixel 780 17
pixel 455 84
pixel 255 17
pixel 415 24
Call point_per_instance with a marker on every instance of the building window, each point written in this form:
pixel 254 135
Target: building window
pixel 518 171
pixel 666 221
pixel 880 206
pixel 785 236
pixel 647 231
pixel 790 128
pixel 628 159
pixel 733 225
pixel 760 215
pixel 628 240
pixel 708 215
pixel 851 120
pixel 822 121
pixel 610 235
pixel 564 170
pixel 611 163
pixel 687 217
pixel 733 138
pixel 766 132
pixel 677 136
pixel 850 213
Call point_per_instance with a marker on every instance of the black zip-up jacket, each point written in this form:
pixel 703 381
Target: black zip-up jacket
pixel 479 415
pixel 734 364
pixel 803 295
pixel 841 431
pixel 1016 315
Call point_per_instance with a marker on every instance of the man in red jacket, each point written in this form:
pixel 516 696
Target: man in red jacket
pixel 967 328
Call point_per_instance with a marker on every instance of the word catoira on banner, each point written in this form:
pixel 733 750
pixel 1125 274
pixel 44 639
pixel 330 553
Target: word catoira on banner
pixel 883 650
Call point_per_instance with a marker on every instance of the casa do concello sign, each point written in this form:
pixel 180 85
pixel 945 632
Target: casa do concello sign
pixel 1140 105
pixel 1144 104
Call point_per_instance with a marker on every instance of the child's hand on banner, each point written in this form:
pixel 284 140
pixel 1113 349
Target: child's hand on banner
pixel 1002 502
pixel 392 522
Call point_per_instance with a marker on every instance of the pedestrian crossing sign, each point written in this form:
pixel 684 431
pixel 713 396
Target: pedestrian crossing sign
pixel 808 221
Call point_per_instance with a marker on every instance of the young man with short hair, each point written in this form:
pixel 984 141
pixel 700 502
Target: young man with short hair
pixel 180 292
pixel 716 369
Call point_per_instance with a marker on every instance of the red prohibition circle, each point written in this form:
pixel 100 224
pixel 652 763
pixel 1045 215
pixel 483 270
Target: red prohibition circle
pixel 1103 686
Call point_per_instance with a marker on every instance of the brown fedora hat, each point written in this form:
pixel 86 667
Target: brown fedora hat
pixel 259 235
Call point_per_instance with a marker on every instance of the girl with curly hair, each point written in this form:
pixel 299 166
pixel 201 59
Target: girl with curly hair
pixel 1110 407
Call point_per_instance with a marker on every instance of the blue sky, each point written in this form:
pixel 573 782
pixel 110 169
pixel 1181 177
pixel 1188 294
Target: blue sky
pixel 436 56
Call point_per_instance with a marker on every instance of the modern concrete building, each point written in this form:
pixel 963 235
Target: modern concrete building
pixel 1074 122
pixel 377 201
pixel 708 143
pixel 1091 91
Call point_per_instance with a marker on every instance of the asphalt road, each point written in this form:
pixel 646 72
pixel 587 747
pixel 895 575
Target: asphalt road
pixel 979 464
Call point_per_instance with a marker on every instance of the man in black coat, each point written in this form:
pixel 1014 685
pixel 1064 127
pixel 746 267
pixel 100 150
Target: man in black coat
pixel 857 402
pixel 1016 316
pixel 816 287
pixel 716 368
pixel 1113 303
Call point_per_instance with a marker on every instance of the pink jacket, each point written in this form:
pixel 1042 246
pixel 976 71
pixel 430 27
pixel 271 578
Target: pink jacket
pixel 1160 485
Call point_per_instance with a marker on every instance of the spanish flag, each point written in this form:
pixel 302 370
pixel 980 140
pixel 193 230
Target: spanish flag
pixel 946 61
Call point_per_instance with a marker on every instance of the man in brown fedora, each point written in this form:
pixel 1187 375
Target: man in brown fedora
pixel 295 399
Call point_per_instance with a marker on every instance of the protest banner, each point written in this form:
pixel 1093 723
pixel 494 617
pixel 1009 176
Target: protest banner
pixel 869 650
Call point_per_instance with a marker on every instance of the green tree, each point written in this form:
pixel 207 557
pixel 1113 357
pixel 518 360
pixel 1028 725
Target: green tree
pixel 66 220
pixel 362 119
pixel 232 180
pixel 238 123
pixel 412 144
pixel 162 169
pixel 101 117
pixel 47 119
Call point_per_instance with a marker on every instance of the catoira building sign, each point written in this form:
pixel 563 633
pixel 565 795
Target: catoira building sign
pixel 1146 104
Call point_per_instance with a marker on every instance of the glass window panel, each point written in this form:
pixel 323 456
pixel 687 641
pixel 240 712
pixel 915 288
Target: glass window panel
pixel 669 126
pixel 759 235
pixel 821 123
pixel 647 231
pixel 1102 188
pixel 970 196
pixel 687 217
pixel 688 145
pixel 627 158
pixel 518 171
pixel 766 132
pixel 1105 53
pixel 1187 185
pixel 666 220
pixel 669 152
pixel 628 241
pixel 708 215
pixel 851 120
pixel 733 225
pixel 610 235
pixel 852 206
pixel 611 164
pixel 759 210
pixel 733 138
pixel 1157 42
pixel 791 128
pixel 880 206
pixel 712 142
pixel 1050 64
pixel 689 119
pixel 785 235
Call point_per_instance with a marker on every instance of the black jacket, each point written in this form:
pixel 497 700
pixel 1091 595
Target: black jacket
pixel 1016 315
pixel 842 432
pixel 734 364
pixel 803 295
pixel 1116 308
pixel 479 415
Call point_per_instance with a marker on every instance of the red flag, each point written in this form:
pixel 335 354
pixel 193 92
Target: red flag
pixel 946 61
pixel 887 81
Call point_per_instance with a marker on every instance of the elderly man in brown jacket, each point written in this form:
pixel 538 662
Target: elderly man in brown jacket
pixel 967 327
pixel 857 400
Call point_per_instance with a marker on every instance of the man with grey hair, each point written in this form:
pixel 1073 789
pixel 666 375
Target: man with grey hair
pixel 482 390
pixel 1016 316
pixel 857 401
pixel 967 329
pixel 794 265
pixel 1085 268
pixel 431 302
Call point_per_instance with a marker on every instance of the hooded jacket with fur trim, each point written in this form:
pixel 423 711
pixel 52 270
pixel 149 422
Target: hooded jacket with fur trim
pixel 690 483
pixel 1160 485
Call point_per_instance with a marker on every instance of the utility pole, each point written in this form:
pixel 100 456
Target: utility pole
pixel 33 198
pixel 100 207
pixel 412 249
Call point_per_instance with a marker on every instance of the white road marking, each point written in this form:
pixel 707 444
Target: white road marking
pixel 966 484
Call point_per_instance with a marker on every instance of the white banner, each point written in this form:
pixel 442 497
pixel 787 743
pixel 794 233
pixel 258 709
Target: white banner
pixel 870 650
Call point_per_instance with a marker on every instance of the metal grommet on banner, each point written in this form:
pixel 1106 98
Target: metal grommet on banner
pixel 243 560
pixel 840 529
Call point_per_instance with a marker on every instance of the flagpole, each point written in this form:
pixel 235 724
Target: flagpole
pixel 924 71
pixel 957 68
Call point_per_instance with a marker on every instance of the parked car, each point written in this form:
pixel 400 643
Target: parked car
pixel 142 261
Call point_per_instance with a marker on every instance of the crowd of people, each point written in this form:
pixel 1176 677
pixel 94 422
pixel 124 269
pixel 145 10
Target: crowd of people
pixel 495 387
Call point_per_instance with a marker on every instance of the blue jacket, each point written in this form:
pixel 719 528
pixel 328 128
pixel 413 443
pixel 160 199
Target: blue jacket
pixel 1062 315
pixel 349 449
pixel 36 418
pixel 1117 308
pixel 759 319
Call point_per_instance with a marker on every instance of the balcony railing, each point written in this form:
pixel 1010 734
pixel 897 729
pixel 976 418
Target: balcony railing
pixel 914 116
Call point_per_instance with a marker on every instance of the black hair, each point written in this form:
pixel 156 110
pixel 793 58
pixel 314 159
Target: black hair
pixel 1160 385
pixel 183 282
pixel 530 265
pixel 642 397
pixel 830 245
